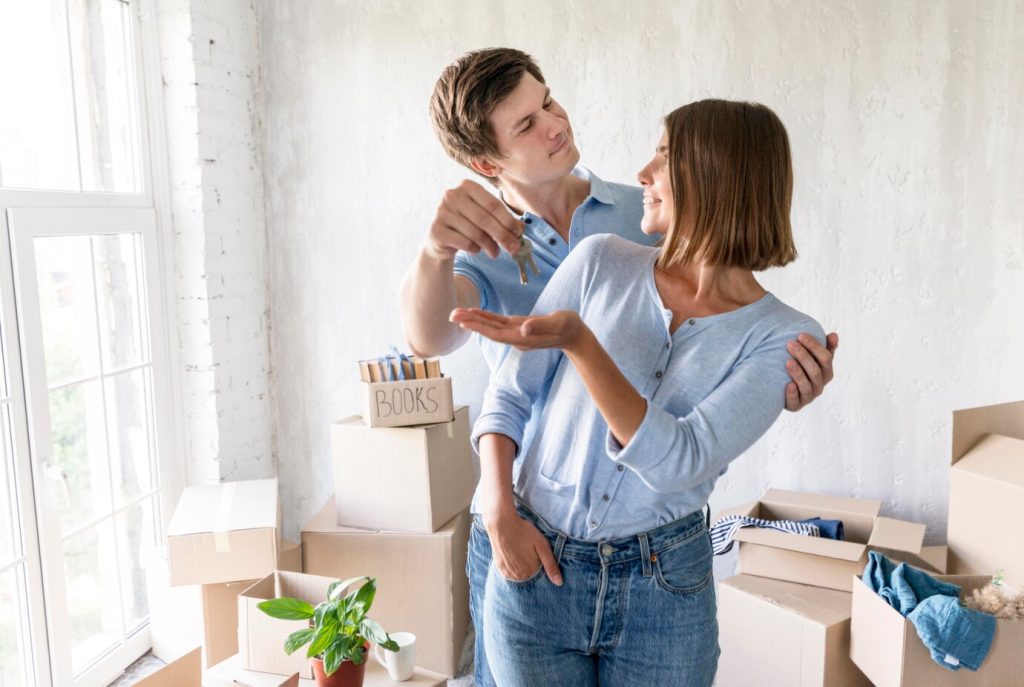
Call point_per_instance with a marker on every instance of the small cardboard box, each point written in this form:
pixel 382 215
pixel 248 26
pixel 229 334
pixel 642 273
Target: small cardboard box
pixel 986 488
pixel 414 479
pixel 224 532
pixel 230 674
pixel 261 638
pixel 220 608
pixel 814 560
pixel 782 633
pixel 886 647
pixel 421 579
pixel 405 403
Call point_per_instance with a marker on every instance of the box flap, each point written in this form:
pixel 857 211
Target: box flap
pixel 229 673
pixel 184 672
pixel 825 506
pixel 822 606
pixel 843 550
pixel 971 424
pixel 357 421
pixel 997 457
pixel 898 535
pixel 249 504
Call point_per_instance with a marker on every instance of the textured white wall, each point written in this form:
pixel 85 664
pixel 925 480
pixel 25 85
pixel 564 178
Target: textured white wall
pixel 908 209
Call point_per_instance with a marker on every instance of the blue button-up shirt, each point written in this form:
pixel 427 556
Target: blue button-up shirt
pixel 609 209
pixel 713 387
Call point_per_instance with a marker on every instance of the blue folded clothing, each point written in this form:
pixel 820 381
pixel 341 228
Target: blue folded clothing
pixel 828 529
pixel 955 636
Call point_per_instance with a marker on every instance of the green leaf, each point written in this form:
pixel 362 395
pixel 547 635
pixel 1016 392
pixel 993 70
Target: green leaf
pixel 324 608
pixel 358 654
pixel 364 597
pixel 390 645
pixel 333 590
pixel 372 630
pixel 297 639
pixel 286 608
pixel 332 659
pixel 325 636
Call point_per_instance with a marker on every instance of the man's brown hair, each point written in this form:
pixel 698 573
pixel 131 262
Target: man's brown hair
pixel 468 92
pixel 731 161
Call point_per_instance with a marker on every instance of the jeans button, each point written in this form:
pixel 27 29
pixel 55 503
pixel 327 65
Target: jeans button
pixel 607 550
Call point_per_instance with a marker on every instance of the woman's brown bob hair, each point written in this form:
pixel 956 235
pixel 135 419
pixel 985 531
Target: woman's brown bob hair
pixel 731 161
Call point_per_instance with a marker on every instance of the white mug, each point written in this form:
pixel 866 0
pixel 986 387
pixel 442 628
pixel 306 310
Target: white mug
pixel 401 663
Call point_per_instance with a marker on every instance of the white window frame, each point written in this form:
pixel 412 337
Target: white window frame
pixel 26 214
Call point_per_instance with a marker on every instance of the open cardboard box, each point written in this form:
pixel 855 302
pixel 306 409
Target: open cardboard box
pixel 814 560
pixel 224 532
pixel 261 638
pixel 986 486
pixel 886 647
pixel 414 479
pixel 783 633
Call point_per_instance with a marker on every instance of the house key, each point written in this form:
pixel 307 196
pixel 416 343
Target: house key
pixel 524 257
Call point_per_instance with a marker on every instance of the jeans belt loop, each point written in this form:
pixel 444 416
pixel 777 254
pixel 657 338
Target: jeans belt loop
pixel 645 554
pixel 559 545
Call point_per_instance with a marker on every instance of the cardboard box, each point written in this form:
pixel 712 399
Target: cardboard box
pixel 782 633
pixel 224 532
pixel 886 647
pixel 413 479
pixel 405 403
pixel 182 672
pixel 986 487
pixel 220 608
pixel 231 674
pixel 421 579
pixel 261 638
pixel 814 560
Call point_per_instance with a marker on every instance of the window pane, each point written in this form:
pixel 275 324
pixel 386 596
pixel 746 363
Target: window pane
pixel 67 303
pixel 118 275
pixel 136 538
pixel 105 97
pixel 37 125
pixel 14 647
pixel 10 547
pixel 80 450
pixel 93 599
pixel 128 402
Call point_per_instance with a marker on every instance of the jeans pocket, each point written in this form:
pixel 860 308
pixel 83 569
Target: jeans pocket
pixel 685 568
pixel 519 583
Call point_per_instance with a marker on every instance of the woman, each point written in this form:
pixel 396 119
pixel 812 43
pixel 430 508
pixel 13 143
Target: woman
pixel 651 369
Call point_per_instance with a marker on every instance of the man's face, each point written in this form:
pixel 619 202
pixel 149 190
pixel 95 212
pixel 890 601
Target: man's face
pixel 534 136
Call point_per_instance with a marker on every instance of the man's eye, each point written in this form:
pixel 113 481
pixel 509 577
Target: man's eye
pixel 527 127
pixel 548 104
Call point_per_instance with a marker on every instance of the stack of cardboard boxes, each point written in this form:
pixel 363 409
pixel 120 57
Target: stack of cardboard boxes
pixel 221 539
pixel 400 514
pixel 798 614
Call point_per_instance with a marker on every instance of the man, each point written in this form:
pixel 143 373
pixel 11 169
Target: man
pixel 494 114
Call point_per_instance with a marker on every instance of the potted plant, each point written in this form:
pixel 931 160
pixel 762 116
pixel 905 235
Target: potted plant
pixel 339 634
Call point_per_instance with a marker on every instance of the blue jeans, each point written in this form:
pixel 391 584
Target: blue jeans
pixel 631 611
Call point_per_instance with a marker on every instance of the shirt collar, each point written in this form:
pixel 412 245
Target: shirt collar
pixel 599 190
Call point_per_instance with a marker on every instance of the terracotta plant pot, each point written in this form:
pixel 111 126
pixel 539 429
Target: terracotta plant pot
pixel 348 674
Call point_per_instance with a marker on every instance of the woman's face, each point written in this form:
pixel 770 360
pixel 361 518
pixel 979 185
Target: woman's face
pixel 654 177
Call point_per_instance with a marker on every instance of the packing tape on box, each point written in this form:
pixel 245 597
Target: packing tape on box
pixel 221 541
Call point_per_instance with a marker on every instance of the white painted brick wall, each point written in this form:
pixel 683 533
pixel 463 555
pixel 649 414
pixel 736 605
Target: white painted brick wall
pixel 209 60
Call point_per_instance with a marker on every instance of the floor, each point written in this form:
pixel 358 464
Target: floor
pixel 149 663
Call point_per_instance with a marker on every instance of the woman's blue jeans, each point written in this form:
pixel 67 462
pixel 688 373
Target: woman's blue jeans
pixel 632 611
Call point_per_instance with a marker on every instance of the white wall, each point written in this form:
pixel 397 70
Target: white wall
pixel 908 209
